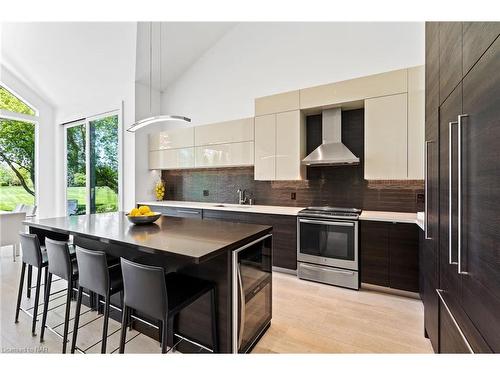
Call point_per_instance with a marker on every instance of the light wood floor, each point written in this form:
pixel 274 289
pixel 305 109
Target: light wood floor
pixel 307 318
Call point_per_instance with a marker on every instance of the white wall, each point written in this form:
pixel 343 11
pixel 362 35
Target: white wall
pixel 258 59
pixel 45 154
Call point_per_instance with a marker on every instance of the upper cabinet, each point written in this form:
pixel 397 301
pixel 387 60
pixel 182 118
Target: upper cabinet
pixel 450 52
pixel 287 101
pixel 416 122
pixel 280 146
pixel 395 132
pixel 372 86
pixel 225 144
pixel 175 138
pixel 225 132
pixel 386 138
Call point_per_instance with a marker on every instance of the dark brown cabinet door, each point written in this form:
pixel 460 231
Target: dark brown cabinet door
pixel 480 196
pixel 451 340
pixel 374 249
pixel 449 277
pixel 284 233
pixel 450 57
pixel 403 256
pixel 431 79
pixel 477 37
pixel 428 285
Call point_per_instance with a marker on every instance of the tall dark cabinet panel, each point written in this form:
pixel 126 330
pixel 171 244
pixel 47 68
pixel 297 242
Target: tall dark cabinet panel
pixel 480 251
pixel 466 273
pixel 450 57
pixel 477 37
pixel 429 247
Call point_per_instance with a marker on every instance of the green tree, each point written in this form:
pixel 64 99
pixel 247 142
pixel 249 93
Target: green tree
pixel 17 150
pixel 17 141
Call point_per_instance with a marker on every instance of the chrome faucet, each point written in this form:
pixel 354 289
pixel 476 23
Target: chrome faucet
pixel 242 199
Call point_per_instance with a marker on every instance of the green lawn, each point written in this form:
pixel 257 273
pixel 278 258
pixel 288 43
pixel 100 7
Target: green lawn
pixel 10 196
pixel 106 199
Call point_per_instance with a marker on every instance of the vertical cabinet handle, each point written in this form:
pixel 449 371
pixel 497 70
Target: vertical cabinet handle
pixel 450 193
pixel 426 172
pixel 459 140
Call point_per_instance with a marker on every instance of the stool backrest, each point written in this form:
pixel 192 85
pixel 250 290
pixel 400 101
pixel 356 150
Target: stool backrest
pixel 32 253
pixel 93 271
pixel 144 288
pixel 59 260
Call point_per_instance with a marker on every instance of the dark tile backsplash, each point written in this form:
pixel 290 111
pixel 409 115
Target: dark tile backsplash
pixel 342 186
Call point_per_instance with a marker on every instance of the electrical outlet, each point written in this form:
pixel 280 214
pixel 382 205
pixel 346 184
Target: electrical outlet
pixel 293 196
pixel 420 198
pixel 205 193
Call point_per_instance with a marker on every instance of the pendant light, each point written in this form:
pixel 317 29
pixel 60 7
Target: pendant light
pixel 160 118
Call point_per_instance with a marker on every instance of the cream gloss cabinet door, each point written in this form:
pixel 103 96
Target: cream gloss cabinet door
pixel 225 155
pixel 386 138
pixel 416 122
pixel 179 158
pixel 290 145
pixel 265 147
pixel 241 130
pixel 175 138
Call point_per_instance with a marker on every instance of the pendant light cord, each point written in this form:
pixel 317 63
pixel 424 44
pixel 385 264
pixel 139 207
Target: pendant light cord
pixel 150 67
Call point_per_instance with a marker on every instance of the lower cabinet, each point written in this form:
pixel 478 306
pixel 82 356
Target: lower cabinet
pixel 284 233
pixel 389 255
pixel 178 211
pixel 428 289
pixel 451 338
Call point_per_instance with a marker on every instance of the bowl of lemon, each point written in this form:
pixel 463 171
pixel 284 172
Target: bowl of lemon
pixel 142 215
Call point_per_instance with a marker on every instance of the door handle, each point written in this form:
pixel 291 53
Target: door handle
pixel 242 308
pixel 426 231
pixel 459 257
pixel 450 193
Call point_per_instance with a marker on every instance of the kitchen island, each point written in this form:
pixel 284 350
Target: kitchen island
pixel 235 256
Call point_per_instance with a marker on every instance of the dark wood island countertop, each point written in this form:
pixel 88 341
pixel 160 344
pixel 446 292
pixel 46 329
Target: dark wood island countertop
pixel 196 239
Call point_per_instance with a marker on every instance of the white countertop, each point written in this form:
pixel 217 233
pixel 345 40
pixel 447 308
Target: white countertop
pixel 256 209
pixel 394 217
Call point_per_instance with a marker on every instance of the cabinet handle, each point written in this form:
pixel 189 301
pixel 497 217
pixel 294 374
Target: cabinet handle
pixel 188 212
pixel 459 260
pixel 450 192
pixel 426 231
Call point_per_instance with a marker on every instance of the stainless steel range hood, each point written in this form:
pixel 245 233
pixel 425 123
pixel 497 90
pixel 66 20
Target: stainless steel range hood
pixel 332 151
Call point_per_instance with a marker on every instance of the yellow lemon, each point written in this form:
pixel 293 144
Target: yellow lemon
pixel 134 212
pixel 150 213
pixel 144 210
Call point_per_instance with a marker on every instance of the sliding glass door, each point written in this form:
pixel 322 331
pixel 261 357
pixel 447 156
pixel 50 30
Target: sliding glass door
pixel 93 165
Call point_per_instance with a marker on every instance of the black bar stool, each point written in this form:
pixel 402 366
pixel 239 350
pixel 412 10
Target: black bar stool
pixel 97 277
pixel 42 235
pixel 33 256
pixel 60 264
pixel 149 290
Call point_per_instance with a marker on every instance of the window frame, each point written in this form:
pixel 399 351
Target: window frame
pixel 33 119
pixel 86 121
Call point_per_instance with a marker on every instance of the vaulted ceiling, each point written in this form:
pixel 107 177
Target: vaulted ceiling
pixel 68 62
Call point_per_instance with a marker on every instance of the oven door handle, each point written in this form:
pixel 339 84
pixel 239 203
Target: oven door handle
pixel 337 223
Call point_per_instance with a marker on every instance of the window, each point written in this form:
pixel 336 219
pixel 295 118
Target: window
pixel 93 165
pixel 17 151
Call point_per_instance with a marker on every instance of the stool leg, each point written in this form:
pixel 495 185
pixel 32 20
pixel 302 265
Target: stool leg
pixel 37 297
pixel 28 287
pixel 165 334
pixel 105 326
pixel 45 278
pixel 66 317
pixel 14 252
pixel 213 312
pixel 77 318
pixel 20 293
pixel 123 334
pixel 45 305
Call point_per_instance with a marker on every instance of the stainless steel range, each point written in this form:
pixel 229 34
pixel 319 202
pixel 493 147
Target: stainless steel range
pixel 327 245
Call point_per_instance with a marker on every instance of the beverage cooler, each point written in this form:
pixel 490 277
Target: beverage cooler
pixel 252 293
